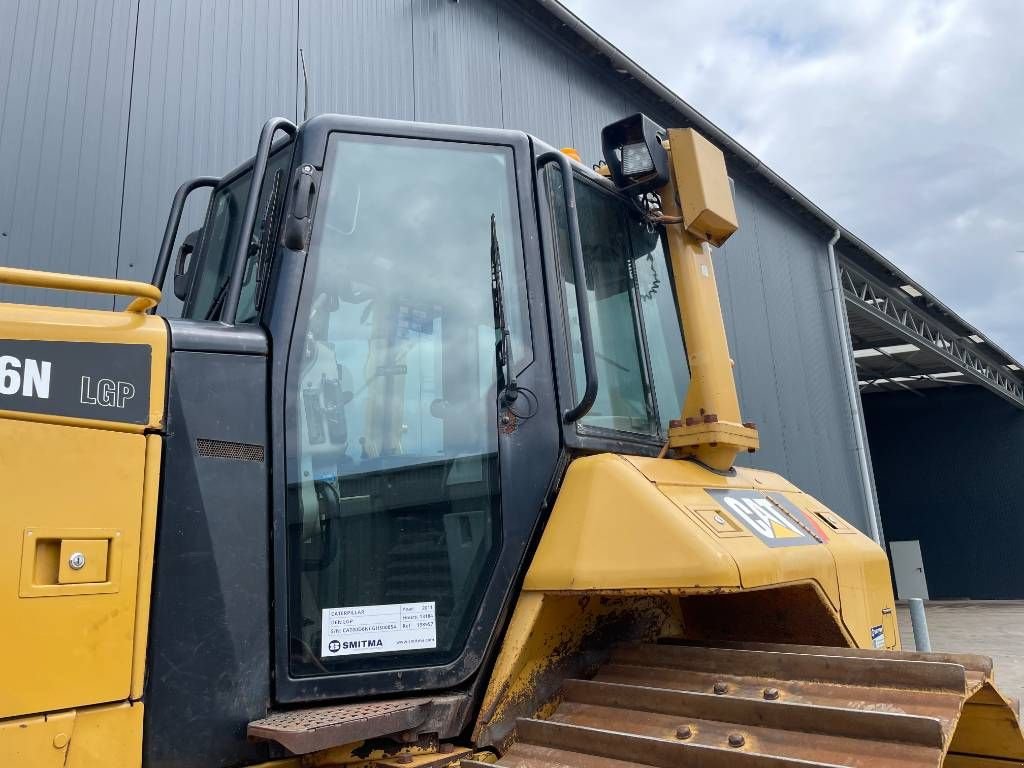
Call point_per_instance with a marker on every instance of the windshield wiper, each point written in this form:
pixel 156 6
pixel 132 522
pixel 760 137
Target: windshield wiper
pixel 258 258
pixel 507 386
pixel 214 310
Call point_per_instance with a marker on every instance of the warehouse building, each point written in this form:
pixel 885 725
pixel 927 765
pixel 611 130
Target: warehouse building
pixel 108 105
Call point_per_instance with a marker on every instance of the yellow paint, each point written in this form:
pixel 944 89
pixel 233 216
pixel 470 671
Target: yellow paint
pixel 711 428
pixel 989 727
pixel 548 631
pixel 890 628
pixel 362 754
pixel 700 176
pixel 145 296
pixel 77 485
pixel 105 737
pixel 972 761
pixel 612 529
pixel 626 527
pixel 39 741
pixel 781 532
pixel 72 648
pixel 147 540
pixel 94 554
pixel 663 541
pixel 44 560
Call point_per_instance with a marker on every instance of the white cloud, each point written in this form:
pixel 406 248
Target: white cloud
pixel 902 120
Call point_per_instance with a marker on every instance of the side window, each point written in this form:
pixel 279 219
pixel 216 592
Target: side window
pixel 669 370
pixel 640 359
pixel 394 515
pixel 220 242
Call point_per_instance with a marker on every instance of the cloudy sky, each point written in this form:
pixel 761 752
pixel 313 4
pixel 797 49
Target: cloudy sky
pixel 903 120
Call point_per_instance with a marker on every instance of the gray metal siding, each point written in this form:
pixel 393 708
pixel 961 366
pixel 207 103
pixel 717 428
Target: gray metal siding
pixel 740 271
pixel 774 282
pixel 79 124
pixel 208 73
pixel 457 74
pixel 64 94
pixel 359 56
pixel 534 82
pixel 593 103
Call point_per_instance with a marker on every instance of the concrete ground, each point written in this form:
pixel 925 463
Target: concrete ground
pixel 992 628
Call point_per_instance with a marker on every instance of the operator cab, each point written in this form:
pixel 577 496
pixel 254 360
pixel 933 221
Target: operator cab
pixel 425 323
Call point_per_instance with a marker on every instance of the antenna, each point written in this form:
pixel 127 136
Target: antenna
pixel 305 87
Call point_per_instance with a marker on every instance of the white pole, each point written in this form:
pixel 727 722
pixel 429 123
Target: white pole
pixel 917 618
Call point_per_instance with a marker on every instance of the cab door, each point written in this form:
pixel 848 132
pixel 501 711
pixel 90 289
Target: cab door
pixel 416 447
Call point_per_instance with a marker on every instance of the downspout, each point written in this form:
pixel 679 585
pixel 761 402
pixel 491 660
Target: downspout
pixel 853 394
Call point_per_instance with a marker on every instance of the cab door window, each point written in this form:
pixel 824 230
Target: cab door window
pixel 394 506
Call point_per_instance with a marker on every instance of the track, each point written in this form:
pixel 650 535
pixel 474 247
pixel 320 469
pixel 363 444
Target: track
pixel 775 706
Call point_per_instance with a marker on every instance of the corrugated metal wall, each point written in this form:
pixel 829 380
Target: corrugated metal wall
pixel 64 96
pixel 105 112
pixel 783 335
pixel 207 74
pixel 965 511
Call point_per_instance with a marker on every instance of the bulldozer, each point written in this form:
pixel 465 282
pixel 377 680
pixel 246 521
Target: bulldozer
pixel 437 469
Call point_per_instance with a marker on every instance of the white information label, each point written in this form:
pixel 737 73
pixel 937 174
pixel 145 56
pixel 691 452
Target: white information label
pixel 878 637
pixel 378 629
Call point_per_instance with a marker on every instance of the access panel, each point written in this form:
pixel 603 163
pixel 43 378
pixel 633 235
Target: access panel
pixel 69 554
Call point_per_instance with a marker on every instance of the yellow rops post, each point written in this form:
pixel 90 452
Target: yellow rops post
pixel 444 481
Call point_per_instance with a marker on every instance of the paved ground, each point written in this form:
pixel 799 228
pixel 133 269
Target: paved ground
pixel 991 628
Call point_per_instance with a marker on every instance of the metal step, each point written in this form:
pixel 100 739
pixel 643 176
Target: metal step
pixel 302 731
pixel 773 706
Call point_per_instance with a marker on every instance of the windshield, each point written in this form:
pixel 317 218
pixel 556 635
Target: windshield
pixel 638 344
pixel 394 514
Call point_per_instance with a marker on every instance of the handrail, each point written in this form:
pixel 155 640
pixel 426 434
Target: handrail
pixel 259 170
pixel 163 260
pixel 144 295
pixel 586 402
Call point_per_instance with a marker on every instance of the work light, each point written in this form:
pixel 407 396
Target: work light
pixel 636 158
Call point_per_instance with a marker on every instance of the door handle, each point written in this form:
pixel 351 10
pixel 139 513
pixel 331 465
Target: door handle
pixel 70 561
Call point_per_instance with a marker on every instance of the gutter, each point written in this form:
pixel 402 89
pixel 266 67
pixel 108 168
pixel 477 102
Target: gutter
pixel 863 459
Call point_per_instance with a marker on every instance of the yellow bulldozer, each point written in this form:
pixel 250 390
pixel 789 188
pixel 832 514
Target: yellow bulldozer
pixel 437 469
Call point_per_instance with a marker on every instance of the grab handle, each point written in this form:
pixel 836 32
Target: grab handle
pixel 163 259
pixel 143 295
pixel 579 277
pixel 252 201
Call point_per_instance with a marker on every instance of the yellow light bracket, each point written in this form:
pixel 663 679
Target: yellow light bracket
pixel 698 194
pixel 702 183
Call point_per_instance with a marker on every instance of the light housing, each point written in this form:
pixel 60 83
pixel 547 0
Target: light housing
pixel 636 158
